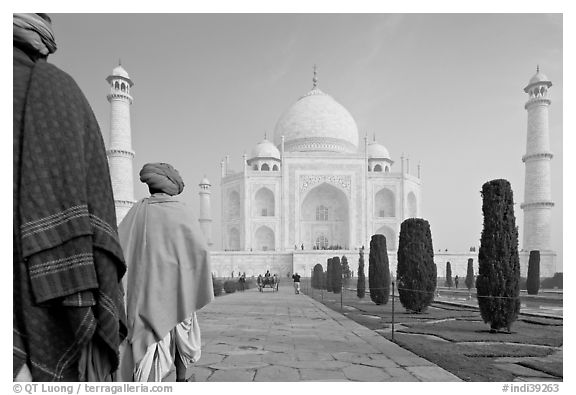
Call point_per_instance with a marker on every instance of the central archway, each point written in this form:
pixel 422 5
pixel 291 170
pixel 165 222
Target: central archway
pixel 324 215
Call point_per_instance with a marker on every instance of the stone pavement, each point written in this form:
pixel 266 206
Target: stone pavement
pixel 280 336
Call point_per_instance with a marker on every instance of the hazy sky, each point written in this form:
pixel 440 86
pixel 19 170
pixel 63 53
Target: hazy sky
pixel 444 89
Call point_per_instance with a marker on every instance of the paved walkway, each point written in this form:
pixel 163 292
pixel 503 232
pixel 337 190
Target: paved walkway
pixel 280 336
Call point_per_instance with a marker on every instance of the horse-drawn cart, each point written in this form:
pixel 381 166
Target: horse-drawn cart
pixel 270 282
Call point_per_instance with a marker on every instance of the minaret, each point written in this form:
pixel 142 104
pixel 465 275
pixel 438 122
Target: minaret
pixel 205 210
pixel 120 154
pixel 538 203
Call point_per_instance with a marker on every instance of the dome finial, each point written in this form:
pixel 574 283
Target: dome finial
pixel 537 68
pixel 119 61
pixel 315 78
pixel 265 136
pixel 374 136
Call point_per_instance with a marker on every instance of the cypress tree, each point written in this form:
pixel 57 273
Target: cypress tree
pixel 470 274
pixel 378 270
pixel 361 285
pixel 345 267
pixel 329 275
pixel 498 282
pixel 448 282
pixel 336 275
pixel 313 278
pixel 533 280
pixel 416 271
pixel 317 276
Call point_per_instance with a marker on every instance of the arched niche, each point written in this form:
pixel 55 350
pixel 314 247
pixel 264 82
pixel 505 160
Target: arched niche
pixel 263 203
pixel 234 204
pixel 384 203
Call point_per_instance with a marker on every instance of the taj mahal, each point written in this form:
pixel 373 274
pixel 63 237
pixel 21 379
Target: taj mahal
pixel 316 188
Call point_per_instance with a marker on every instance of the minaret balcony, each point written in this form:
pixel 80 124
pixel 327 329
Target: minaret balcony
pixel 120 152
pixel 533 205
pixel 115 95
pixel 537 156
pixel 533 101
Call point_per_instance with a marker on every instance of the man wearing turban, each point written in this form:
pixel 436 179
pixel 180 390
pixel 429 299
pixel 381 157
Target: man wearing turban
pixel 68 306
pixel 168 279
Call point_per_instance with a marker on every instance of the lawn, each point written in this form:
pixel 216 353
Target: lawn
pixel 456 338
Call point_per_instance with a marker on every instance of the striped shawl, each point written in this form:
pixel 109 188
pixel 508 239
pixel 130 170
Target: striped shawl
pixel 68 262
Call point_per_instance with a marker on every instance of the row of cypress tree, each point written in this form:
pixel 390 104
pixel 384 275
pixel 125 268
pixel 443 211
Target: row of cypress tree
pixel 497 283
pixel 416 271
pixel 331 280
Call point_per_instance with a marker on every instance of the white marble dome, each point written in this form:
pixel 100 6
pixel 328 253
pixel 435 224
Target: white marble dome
pixel 120 72
pixel 265 149
pixel 538 77
pixel 317 122
pixel 377 151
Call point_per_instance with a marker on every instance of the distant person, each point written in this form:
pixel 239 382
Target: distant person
pixel 296 278
pixel 242 281
pixel 456 281
pixel 168 279
pixel 68 316
pixel 267 274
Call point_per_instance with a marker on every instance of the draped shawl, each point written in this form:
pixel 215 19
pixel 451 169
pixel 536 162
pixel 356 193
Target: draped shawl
pixel 169 275
pixel 68 262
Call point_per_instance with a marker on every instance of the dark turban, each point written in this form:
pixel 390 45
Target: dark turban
pixel 162 177
pixel 34 31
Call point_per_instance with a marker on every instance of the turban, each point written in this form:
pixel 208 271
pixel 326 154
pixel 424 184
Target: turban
pixel 34 31
pixel 162 177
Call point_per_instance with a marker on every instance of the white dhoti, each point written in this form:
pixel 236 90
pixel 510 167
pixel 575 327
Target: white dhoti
pixel 159 358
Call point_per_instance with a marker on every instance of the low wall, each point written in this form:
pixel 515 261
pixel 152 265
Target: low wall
pixel 303 262
pixel 459 263
pixel 251 263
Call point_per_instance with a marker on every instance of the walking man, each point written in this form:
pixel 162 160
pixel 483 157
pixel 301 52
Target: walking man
pixel 296 278
pixel 168 279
